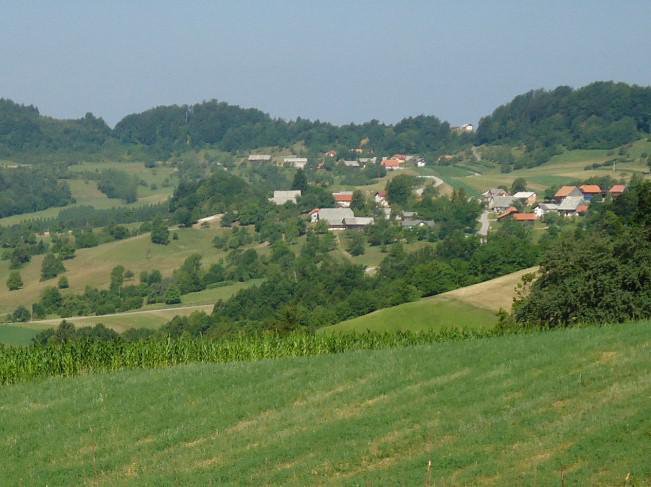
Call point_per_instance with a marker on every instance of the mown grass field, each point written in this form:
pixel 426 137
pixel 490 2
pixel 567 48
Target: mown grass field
pixel 471 307
pixel 558 408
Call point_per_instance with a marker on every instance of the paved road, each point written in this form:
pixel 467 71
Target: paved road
pixel 484 226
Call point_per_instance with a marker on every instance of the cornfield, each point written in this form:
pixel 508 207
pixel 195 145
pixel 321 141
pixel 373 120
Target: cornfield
pixel 20 364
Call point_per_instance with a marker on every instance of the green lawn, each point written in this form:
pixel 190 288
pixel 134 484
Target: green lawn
pixel 425 314
pixel 558 408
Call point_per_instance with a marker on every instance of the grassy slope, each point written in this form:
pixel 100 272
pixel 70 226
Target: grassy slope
pixel 468 307
pixel 514 410
pixel 561 169
pixel 86 192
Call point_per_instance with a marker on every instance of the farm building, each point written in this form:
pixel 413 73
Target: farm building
pixel 392 164
pixel 334 217
pixel 282 197
pixel 351 163
pixel 565 191
pixel 500 203
pixel 259 158
pixel 527 197
pixel 617 190
pixel 507 213
pixel 343 199
pixel 297 162
pixel 590 191
pixel 572 205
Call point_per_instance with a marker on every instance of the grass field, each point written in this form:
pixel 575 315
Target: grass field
pixel 93 266
pixel 561 169
pixel 86 193
pixel 470 307
pixel 556 408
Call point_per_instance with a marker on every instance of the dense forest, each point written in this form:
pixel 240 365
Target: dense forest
pixel 23 190
pixel 598 116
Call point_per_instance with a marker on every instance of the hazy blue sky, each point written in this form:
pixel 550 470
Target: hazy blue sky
pixel 334 60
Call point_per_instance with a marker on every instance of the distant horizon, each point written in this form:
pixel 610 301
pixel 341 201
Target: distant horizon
pixel 337 62
pixel 473 122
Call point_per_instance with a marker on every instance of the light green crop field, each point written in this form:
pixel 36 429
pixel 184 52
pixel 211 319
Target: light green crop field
pixel 561 169
pixel 569 407
pixel 93 266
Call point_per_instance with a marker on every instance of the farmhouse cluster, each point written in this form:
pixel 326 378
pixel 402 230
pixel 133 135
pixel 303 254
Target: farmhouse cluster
pixel 568 201
pixel 395 162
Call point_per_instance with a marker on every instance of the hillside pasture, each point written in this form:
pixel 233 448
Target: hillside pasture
pixel 566 407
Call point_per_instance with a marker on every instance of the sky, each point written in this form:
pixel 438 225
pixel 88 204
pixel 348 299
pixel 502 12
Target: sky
pixel 333 60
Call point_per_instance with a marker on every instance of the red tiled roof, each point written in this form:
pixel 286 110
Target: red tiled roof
pixel 509 211
pixel 590 189
pixel 617 188
pixel 391 163
pixel 525 217
pixel 343 197
pixel 400 157
pixel 564 191
pixel 583 208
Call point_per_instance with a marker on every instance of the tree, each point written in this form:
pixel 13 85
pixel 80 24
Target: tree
pixel 117 279
pixel 63 283
pixel 358 203
pixel 399 189
pixel 51 267
pixel 300 180
pixel 159 233
pixel 172 295
pixel 21 315
pixel 357 243
pixel 14 282
pixel 519 184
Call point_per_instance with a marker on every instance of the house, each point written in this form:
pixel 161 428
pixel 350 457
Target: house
pixel 392 164
pixel 463 129
pixel 527 197
pixel 259 158
pixel 343 199
pixel 334 217
pixel 331 153
pixel 582 209
pixel 589 191
pixel 400 157
pixel 500 203
pixel 524 217
pixel 415 222
pixel 380 198
pixel 282 197
pixel 543 208
pixel 420 163
pixel 297 162
pixel 351 163
pixel 368 160
pixel 487 195
pixel 358 222
pixel 565 191
pixel 509 211
pixel 617 190
pixel 570 205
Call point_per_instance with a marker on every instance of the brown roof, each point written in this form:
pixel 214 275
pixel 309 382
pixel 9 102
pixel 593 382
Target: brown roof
pixel 564 191
pixel 617 188
pixel 583 208
pixel 343 197
pixel 525 217
pixel 507 212
pixel 391 163
pixel 590 189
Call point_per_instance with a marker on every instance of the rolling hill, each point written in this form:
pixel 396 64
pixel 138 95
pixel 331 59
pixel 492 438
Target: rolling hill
pixel 568 407
pixel 468 307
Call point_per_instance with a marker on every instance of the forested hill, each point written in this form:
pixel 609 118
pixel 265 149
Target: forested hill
pixel 23 129
pixel 600 115
pixel 597 116
pixel 165 129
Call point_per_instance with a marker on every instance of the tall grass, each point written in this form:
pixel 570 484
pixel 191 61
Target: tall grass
pixel 20 364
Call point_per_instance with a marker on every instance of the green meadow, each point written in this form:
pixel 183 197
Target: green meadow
pixel 568 407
